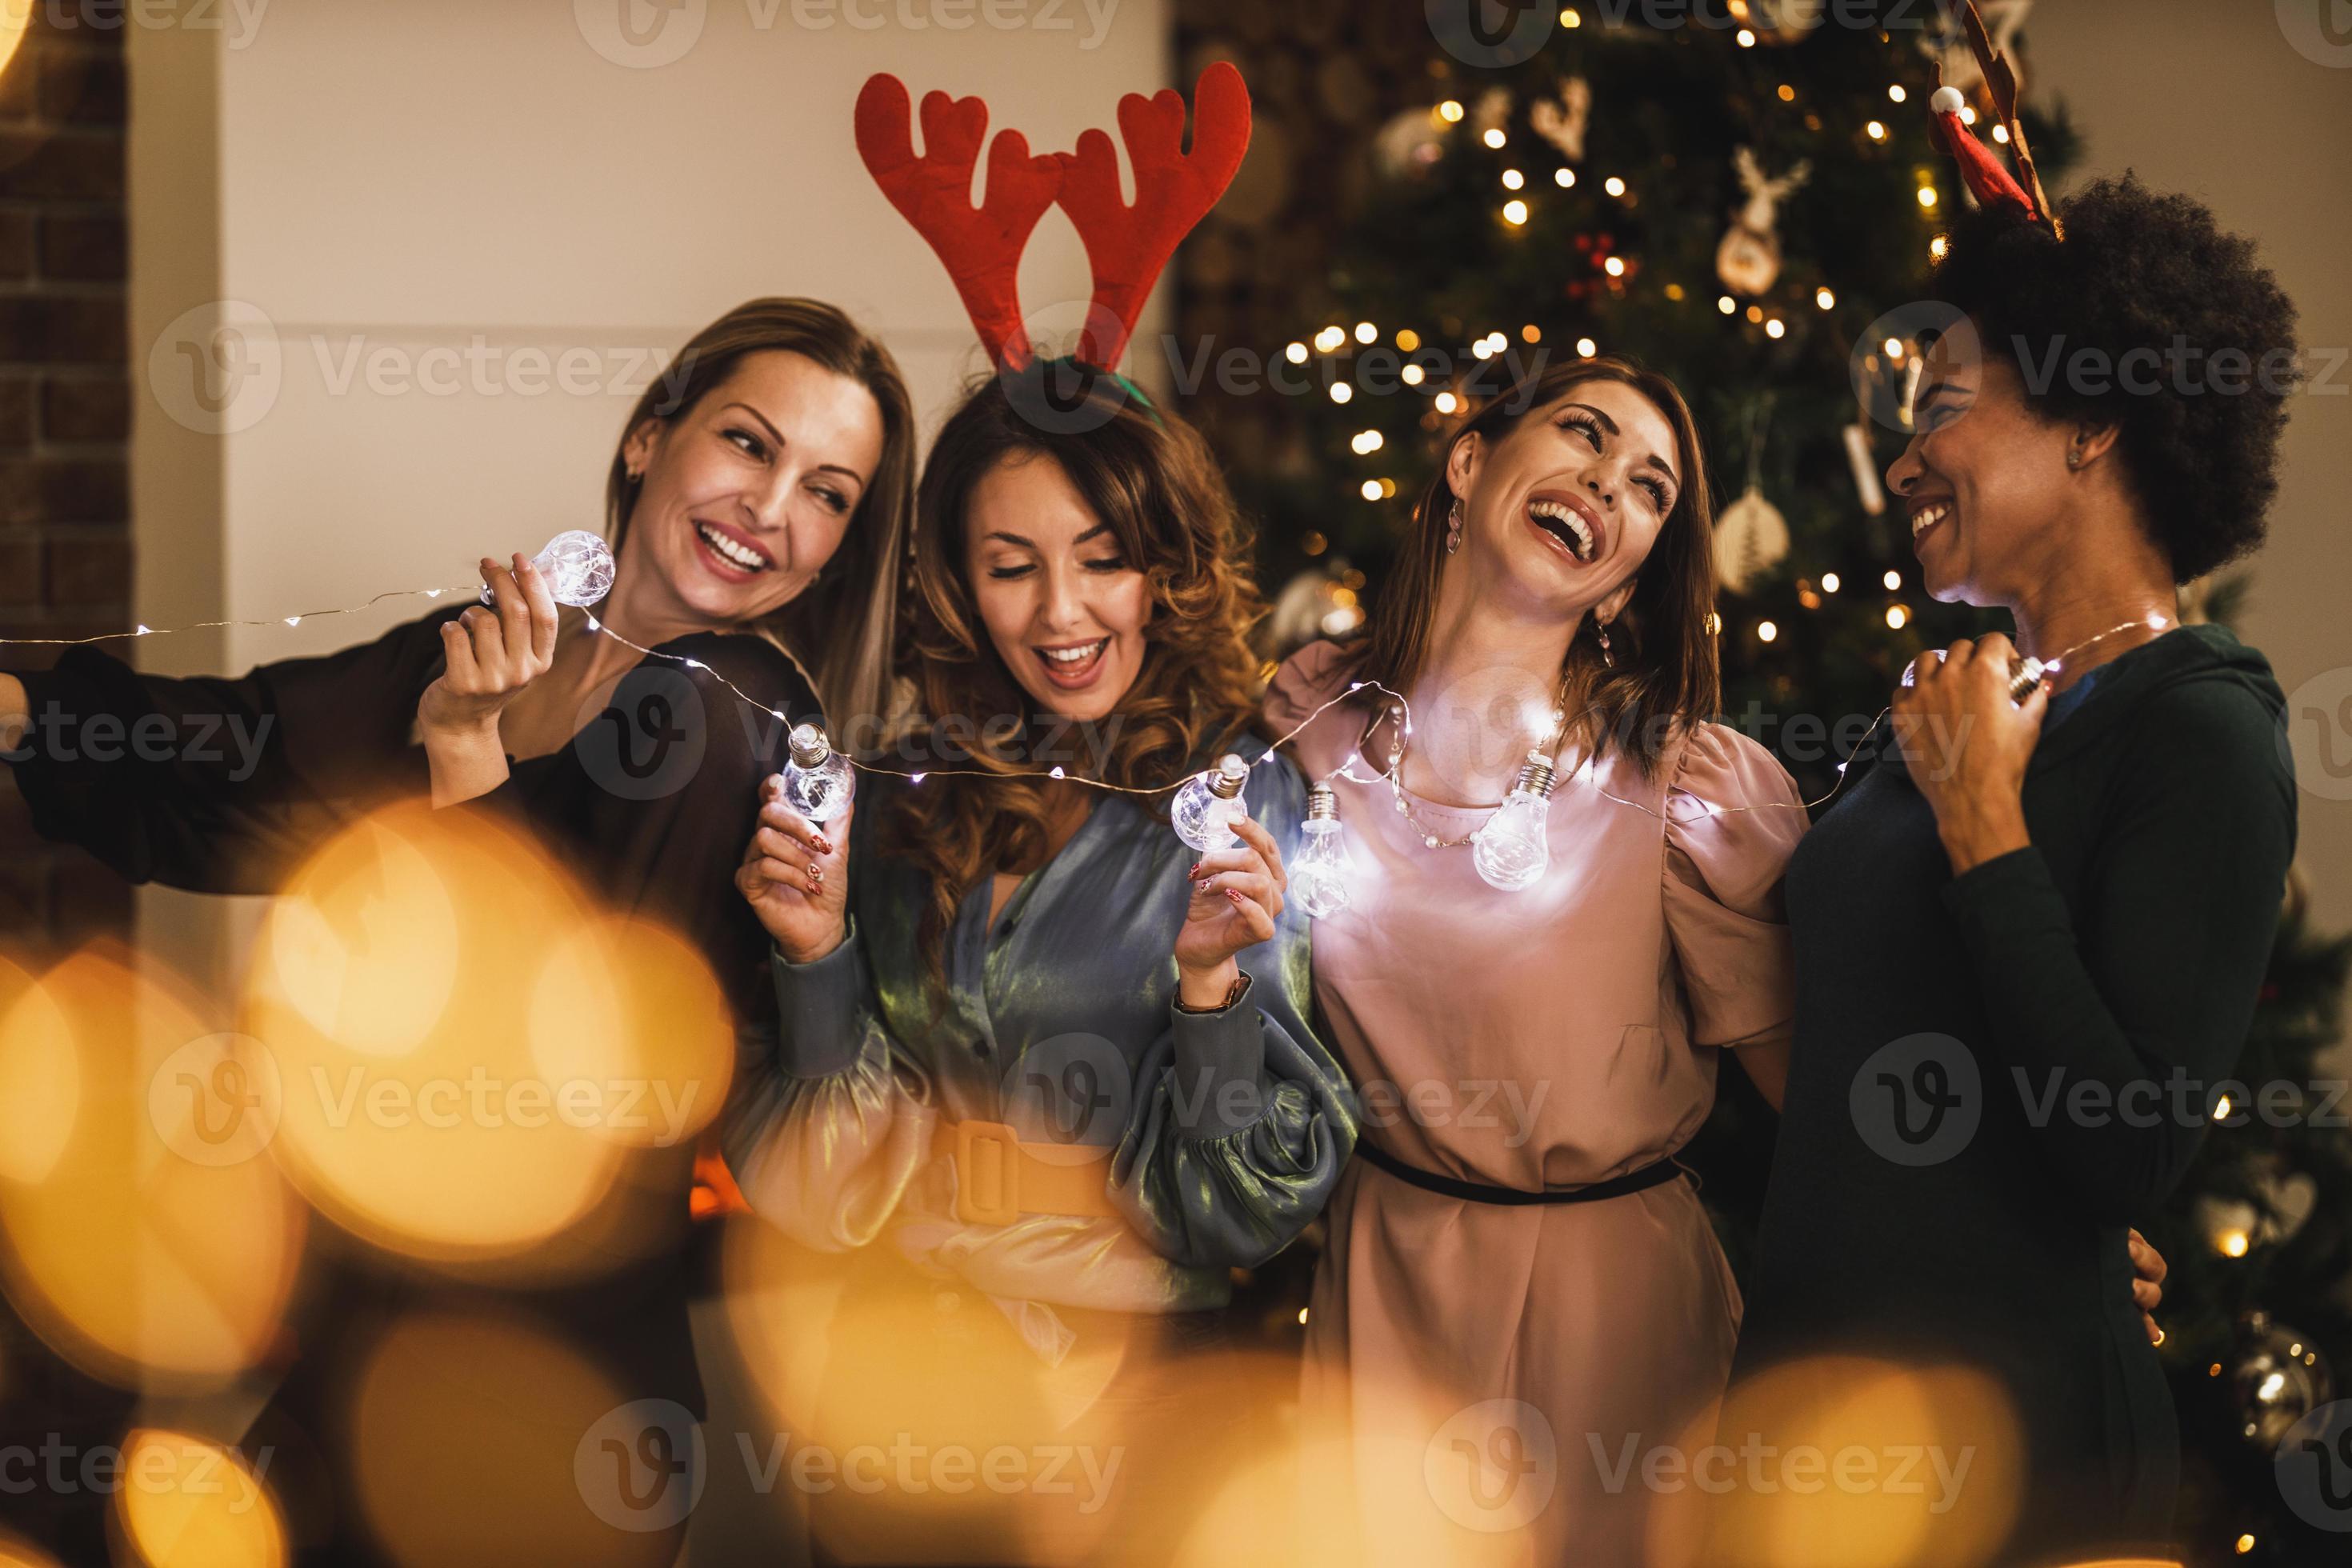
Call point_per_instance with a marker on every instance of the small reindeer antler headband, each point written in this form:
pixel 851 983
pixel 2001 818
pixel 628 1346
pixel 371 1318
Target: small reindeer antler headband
pixel 1127 247
pixel 1981 171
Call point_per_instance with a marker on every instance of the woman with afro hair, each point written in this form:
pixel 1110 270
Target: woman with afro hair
pixel 2031 933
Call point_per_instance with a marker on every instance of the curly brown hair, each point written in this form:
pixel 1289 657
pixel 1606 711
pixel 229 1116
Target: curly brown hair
pixel 1150 478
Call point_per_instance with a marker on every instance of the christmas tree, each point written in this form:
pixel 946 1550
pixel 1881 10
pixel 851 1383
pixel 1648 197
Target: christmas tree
pixel 1748 207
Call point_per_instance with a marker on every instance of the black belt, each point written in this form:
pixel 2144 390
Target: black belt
pixel 1652 1175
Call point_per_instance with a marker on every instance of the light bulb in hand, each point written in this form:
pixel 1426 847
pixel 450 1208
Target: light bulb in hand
pixel 1205 807
pixel 819 782
pixel 578 567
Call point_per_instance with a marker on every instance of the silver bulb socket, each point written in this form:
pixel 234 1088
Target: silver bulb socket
pixel 2024 675
pixel 810 748
pixel 1322 803
pixel 1536 776
pixel 1226 781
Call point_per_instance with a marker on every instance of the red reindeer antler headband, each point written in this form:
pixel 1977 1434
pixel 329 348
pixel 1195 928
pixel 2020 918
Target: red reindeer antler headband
pixel 1126 246
pixel 1981 171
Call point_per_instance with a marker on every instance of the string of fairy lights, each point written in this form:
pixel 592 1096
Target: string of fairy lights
pixel 1510 851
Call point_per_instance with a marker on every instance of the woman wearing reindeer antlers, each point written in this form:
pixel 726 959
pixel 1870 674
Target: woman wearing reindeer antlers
pixel 2032 932
pixel 1047 1065
pixel 775 457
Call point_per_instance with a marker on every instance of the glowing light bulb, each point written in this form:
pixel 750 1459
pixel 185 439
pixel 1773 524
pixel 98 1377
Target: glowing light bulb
pixel 1206 806
pixel 1513 850
pixel 578 567
pixel 819 782
pixel 1321 872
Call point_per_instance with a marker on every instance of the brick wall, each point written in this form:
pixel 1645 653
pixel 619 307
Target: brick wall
pixel 65 414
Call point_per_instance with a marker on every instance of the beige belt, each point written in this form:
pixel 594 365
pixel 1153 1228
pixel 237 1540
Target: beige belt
pixel 999 1178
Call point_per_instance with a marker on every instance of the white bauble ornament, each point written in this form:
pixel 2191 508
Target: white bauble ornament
pixel 1751 537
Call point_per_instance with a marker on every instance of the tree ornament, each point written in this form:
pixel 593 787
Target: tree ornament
pixel 1751 537
pixel 1408 144
pixel 1562 121
pixel 2276 1378
pixel 1748 259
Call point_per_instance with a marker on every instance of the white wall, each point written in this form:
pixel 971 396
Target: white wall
pixel 476 176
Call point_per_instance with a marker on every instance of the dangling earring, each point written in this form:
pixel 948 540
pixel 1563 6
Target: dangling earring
pixel 1607 658
pixel 1454 527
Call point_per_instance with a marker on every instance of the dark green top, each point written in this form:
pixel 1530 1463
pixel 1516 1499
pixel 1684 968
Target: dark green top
pixel 1996 1073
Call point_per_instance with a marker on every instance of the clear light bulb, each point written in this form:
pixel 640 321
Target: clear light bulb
pixel 818 781
pixel 1512 851
pixel 578 567
pixel 1321 873
pixel 1206 805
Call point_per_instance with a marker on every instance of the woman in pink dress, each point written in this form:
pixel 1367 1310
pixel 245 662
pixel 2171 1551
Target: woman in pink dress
pixel 1523 1300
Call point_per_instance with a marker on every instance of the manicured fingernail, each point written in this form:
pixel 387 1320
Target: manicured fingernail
pixel 824 846
pixel 1195 872
pixel 1233 895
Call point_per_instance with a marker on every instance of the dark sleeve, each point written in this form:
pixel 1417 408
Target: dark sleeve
pixel 2155 976
pixel 221 785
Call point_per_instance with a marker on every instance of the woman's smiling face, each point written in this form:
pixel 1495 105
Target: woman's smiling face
pixel 1567 505
pixel 1063 606
pixel 748 494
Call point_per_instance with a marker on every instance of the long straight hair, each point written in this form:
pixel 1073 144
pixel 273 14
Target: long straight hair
pixel 1666 673
pixel 843 625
